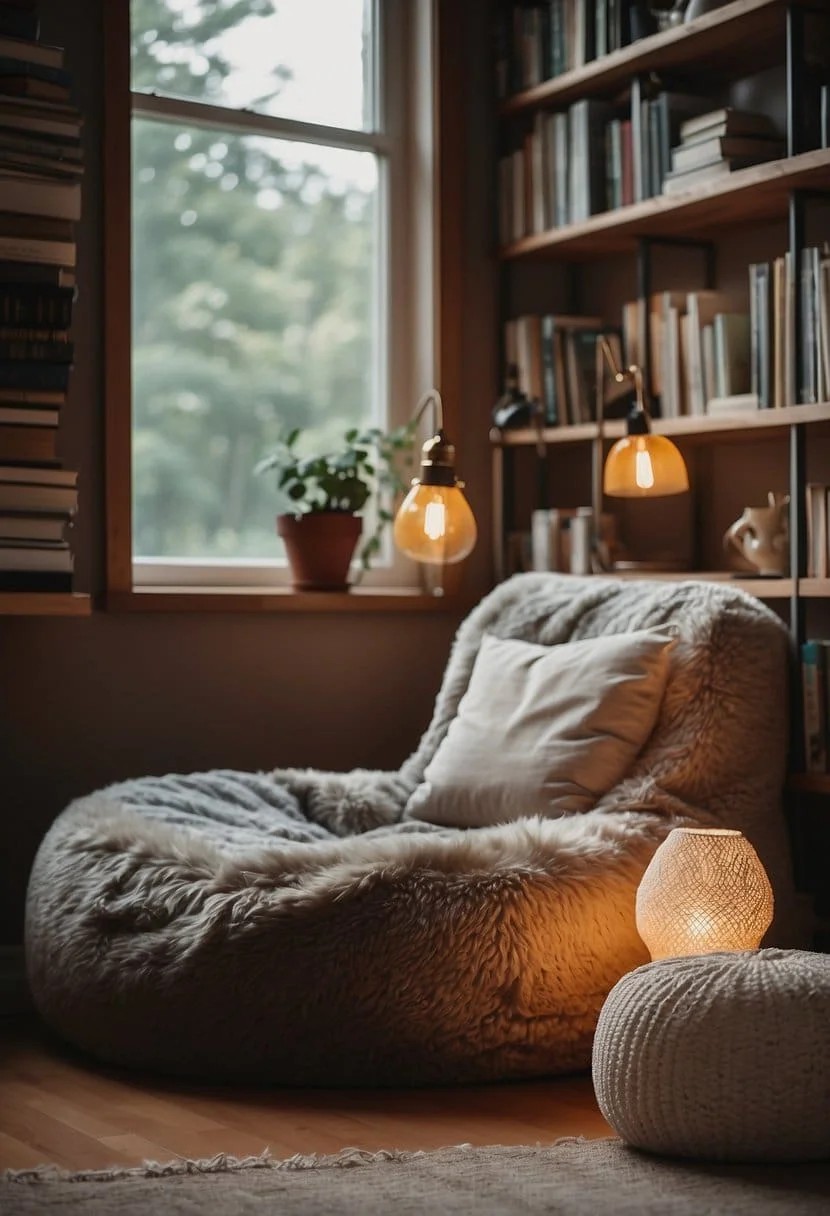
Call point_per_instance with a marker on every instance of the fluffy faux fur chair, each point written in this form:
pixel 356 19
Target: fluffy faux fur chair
pixel 301 927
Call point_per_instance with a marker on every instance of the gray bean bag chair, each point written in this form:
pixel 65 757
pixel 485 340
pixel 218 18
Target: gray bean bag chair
pixel 301 927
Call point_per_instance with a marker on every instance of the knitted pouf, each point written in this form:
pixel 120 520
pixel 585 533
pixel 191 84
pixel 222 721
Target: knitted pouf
pixel 720 1056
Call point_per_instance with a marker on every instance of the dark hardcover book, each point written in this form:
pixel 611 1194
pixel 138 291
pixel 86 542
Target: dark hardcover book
pixel 558 50
pixel 35 580
pixel 39 305
pixel 549 371
pixel 637 21
pixel 46 350
pixel 21 414
pixel 587 121
pixel 35 71
pixel 600 28
pixel 824 113
pixel 38 528
pixel 760 323
pixel 19 22
pixel 32 272
pixel 28 444
pixel 25 374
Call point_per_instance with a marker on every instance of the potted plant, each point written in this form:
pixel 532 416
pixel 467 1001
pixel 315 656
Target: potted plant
pixel 327 492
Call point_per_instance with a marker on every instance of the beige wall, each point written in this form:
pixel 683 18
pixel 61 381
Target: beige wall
pixel 87 702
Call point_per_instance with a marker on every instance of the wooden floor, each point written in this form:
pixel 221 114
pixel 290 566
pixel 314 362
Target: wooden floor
pixel 57 1107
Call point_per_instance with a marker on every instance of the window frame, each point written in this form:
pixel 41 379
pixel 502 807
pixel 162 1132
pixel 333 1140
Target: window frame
pixel 436 33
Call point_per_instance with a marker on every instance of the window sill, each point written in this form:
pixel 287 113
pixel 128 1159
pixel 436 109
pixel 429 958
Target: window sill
pixel 284 599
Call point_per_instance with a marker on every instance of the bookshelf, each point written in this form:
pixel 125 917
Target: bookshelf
pixel 732 458
pixel 41 171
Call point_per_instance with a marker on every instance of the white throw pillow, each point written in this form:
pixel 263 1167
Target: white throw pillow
pixel 544 730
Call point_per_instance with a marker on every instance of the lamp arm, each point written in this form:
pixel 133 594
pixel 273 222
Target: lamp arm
pixel 634 371
pixel 433 397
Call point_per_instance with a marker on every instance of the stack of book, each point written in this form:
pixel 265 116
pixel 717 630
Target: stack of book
pixel 537 41
pixel 40 198
pixel 717 143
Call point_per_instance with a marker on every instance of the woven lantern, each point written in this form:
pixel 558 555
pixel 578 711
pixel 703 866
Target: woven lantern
pixel 704 890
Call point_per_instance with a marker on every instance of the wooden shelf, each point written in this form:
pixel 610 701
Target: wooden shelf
pixel 747 195
pixel 44 603
pixel 283 599
pixel 810 783
pixel 814 588
pixel 744 36
pixel 761 588
pixel 693 426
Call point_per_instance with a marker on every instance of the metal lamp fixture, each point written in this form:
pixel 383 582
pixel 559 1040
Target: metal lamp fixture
pixel 641 465
pixel 434 523
pixel 705 890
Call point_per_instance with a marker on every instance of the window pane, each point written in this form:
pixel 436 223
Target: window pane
pixel 254 305
pixel 309 60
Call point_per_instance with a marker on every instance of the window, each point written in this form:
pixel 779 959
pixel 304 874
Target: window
pixel 278 188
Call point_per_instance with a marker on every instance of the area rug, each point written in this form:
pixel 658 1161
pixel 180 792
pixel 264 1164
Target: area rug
pixel 572 1177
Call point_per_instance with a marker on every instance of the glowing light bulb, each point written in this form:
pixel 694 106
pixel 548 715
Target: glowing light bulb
pixel 643 469
pixel 435 520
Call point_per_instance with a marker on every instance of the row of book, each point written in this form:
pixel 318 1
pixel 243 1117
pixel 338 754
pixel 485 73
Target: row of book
pixel 815 685
pixel 536 42
pixel 555 357
pixel 704 356
pixel 591 157
pixel 41 167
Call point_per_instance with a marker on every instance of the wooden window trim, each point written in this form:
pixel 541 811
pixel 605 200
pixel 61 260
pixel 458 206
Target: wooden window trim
pixel 120 593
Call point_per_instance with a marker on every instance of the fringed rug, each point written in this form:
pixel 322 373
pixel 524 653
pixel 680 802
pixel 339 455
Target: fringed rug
pixel 569 1178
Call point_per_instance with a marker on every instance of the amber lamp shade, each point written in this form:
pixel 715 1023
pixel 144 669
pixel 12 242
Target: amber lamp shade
pixel 644 466
pixel 704 890
pixel 435 524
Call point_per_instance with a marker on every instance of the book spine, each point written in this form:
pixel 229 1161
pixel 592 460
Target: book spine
pixel 25 374
pixel 49 351
pixel 813 677
pixel 36 305
pixel 549 371
pixel 37 71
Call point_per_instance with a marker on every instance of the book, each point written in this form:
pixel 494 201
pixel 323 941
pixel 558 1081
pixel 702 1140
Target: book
pixel 738 403
pixel 43 349
pixel 29 51
pixel 30 195
pixel 26 498
pixel 34 527
pixel 701 309
pixel 29 114
pixel 35 444
pixel 35 580
pixel 726 121
pixel 586 145
pixel 31 374
pixel 22 415
pixel 817 531
pixel 813 681
pixel 732 354
pixel 37 238
pixel 676 183
pixel 45 477
pixel 19 22
pixel 709 151
pixel 761 332
pixel 46 557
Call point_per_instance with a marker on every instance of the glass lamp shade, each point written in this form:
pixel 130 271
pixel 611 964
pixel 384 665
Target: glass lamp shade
pixel 642 466
pixel 435 525
pixel 704 890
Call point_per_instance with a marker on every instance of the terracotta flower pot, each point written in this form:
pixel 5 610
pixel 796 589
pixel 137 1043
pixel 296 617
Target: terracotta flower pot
pixel 320 547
